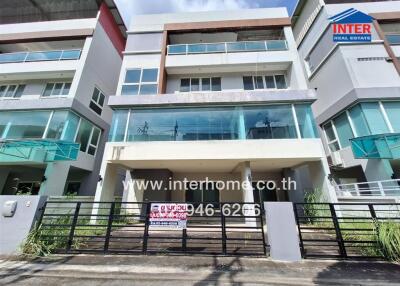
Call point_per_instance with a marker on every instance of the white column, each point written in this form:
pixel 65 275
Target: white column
pixel 55 176
pixel 132 193
pixel 247 190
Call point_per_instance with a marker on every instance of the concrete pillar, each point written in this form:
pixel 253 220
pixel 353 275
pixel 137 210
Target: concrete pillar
pixel 56 175
pixel 105 187
pixel 282 231
pixel 378 170
pixel 247 190
pixel 131 194
pixel 319 172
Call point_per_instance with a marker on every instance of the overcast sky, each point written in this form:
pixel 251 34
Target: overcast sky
pixel 128 8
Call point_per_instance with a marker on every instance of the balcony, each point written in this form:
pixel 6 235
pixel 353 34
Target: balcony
pixel 21 57
pixel 379 146
pixel 387 188
pixel 227 47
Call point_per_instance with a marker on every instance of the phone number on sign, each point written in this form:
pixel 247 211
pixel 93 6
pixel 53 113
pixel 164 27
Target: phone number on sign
pixel 235 209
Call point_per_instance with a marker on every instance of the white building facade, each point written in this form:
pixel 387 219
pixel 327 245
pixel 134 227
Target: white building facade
pixel 59 63
pixel 212 95
pixel 358 91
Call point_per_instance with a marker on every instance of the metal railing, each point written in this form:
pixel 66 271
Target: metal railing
pixel 343 230
pixel 227 47
pixel 125 227
pixel 374 188
pixel 36 56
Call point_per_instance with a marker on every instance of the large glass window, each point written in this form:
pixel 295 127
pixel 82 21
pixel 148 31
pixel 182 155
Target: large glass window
pixel 83 136
pixel 306 121
pixel 118 126
pixel 331 139
pixel 26 125
pixel 393 113
pixel 140 81
pixel 63 125
pixel 374 117
pixel 343 130
pixel 272 122
pixel 359 121
pixel 216 123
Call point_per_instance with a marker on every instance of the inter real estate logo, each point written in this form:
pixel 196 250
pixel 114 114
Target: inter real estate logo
pixel 351 26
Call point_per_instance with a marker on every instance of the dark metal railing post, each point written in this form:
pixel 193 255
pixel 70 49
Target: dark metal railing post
pixel 372 211
pixel 73 225
pixel 184 239
pixel 146 228
pixel 339 237
pixel 223 228
pixel 42 211
pixel 109 227
pixel 262 228
pixel 296 215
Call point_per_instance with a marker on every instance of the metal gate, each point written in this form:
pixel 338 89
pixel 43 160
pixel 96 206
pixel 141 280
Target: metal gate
pixel 343 230
pixel 115 227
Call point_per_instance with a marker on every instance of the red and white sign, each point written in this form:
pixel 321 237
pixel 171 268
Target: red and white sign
pixel 168 215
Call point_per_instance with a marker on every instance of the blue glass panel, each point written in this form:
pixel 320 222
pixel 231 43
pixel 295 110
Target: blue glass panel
pixel 374 117
pixel 343 130
pixel 12 57
pixel 215 48
pixel 71 55
pixel 255 46
pixel 276 45
pixel 306 121
pixel 117 131
pixel 393 113
pixel 236 47
pixel 197 48
pixel 393 39
pixel 380 146
pixel 176 49
pixel 270 122
pixel 359 121
pixel 43 56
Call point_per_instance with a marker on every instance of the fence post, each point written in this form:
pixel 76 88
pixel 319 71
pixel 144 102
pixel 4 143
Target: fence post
pixel 109 227
pixel 296 215
pixel 223 236
pixel 73 225
pixel 146 228
pixel 262 230
pixel 339 237
pixel 184 236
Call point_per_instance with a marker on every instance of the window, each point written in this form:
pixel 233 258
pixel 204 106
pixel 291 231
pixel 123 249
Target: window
pixel 264 82
pixel 28 188
pixel 202 192
pixel 26 124
pixel 97 102
pixel 117 131
pixel 200 84
pixel 374 117
pixel 140 81
pixel 88 136
pixel 63 125
pixel 343 130
pixel 11 91
pixel 306 121
pixel 393 113
pixel 56 89
pixel 333 142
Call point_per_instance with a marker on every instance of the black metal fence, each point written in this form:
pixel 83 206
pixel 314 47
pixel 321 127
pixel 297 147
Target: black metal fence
pixel 342 230
pixel 115 227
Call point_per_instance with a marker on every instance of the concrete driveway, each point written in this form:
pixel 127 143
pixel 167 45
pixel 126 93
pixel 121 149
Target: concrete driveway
pixel 192 270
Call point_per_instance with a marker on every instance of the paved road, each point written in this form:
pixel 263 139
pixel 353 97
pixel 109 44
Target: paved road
pixel 195 270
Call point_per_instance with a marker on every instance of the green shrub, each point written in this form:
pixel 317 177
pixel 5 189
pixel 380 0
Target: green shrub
pixel 388 236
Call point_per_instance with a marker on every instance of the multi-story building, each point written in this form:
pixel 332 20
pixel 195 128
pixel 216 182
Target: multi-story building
pixel 358 90
pixel 59 63
pixel 212 95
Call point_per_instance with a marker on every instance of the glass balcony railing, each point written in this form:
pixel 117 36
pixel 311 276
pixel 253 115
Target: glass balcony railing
pixel 379 146
pixel 228 47
pixel 393 39
pixel 21 57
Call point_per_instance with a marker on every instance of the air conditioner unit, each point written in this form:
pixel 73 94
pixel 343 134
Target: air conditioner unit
pixel 336 158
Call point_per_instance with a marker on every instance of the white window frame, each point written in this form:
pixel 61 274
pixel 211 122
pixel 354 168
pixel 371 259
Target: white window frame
pixel 3 97
pixel 100 92
pixel 140 83
pixel 336 140
pixel 90 141
pixel 200 84
pixel 56 95
pixel 265 83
